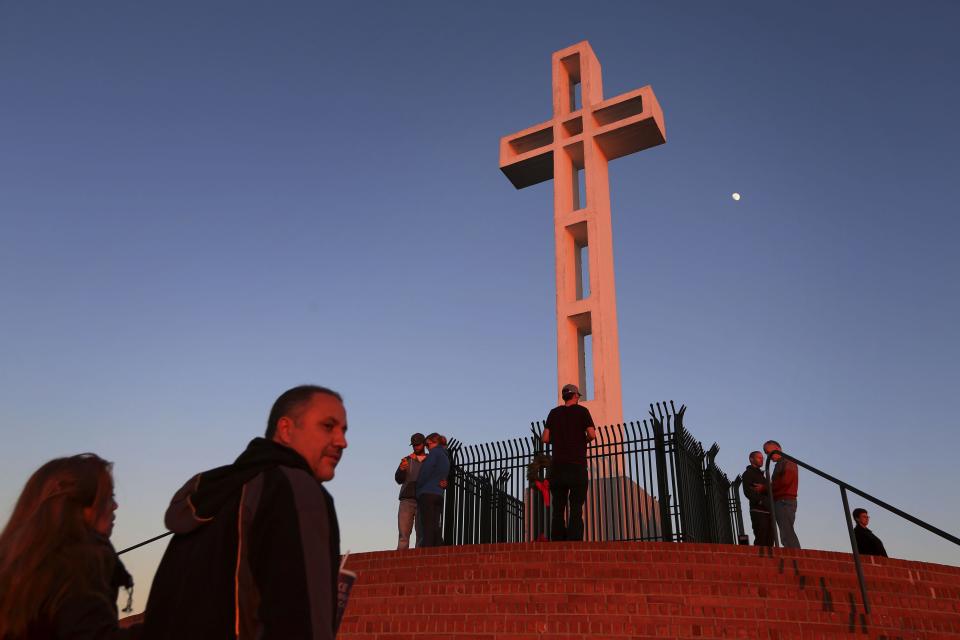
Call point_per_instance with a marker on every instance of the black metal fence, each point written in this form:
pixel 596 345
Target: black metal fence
pixel 649 480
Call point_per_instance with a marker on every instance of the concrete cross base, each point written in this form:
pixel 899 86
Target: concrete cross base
pixel 618 508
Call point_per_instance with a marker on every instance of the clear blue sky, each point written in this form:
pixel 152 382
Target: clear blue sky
pixel 203 204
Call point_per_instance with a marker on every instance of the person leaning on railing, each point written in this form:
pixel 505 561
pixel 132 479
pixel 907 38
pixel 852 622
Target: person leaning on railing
pixel 59 574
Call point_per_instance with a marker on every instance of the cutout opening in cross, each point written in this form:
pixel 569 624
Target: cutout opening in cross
pixel 531 141
pixel 583 271
pixel 571 65
pixel 578 182
pixel 585 347
pixel 573 127
pixel 581 258
pixel 582 323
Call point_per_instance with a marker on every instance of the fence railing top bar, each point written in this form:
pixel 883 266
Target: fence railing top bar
pixel 863 494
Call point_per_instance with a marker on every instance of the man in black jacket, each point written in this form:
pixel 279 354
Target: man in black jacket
pixel 755 489
pixel 868 544
pixel 257 544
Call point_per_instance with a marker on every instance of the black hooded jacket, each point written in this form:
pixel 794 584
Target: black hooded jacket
pixel 868 544
pixel 254 555
pixel 759 500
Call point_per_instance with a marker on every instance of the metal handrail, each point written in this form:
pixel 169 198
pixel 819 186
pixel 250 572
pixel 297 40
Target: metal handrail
pixel 846 510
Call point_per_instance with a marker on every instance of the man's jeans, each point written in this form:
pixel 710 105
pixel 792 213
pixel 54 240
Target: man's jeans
pixel 406 519
pixel 786 512
pixel 762 528
pixel 568 486
pixel 430 510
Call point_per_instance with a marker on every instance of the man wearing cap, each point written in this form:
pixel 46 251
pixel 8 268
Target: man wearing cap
pixel 569 428
pixel 406 476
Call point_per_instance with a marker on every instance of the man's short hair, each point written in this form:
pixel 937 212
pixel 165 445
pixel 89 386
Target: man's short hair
pixel 434 437
pixel 857 512
pixel 772 442
pixel 753 453
pixel 290 403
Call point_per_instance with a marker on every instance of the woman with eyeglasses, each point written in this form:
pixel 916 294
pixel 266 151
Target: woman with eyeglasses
pixel 59 574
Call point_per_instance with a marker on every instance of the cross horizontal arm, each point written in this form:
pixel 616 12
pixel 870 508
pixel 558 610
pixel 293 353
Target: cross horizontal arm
pixel 526 157
pixel 622 125
pixel 631 122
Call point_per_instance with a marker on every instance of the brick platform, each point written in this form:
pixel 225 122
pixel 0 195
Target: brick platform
pixel 607 590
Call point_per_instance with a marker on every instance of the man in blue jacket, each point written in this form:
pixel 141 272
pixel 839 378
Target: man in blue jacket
pixel 433 471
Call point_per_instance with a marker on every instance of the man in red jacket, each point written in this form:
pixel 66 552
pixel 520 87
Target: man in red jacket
pixel 785 480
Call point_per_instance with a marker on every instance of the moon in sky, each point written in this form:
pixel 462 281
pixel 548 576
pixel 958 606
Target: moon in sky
pixel 736 196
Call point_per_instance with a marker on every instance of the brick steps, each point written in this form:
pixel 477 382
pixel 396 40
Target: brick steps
pixel 635 590
pixel 578 626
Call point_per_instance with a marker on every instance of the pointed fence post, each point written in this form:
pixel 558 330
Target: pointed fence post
pixel 663 484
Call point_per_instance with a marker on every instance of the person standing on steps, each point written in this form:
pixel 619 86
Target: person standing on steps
pixel 569 429
pixel 785 480
pixel 755 489
pixel 406 476
pixel 430 484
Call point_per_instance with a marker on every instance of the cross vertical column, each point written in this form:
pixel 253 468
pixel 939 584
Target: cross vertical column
pixel 587 343
pixel 573 148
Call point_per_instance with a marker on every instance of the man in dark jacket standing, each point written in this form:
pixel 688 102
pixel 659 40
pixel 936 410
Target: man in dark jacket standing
pixel 569 428
pixel 755 489
pixel 257 545
pixel 868 544
pixel 406 476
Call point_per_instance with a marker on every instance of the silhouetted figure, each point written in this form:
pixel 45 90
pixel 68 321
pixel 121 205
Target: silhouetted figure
pixel 430 485
pixel 59 574
pixel 868 544
pixel 256 548
pixel 785 479
pixel 569 428
pixel 755 489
